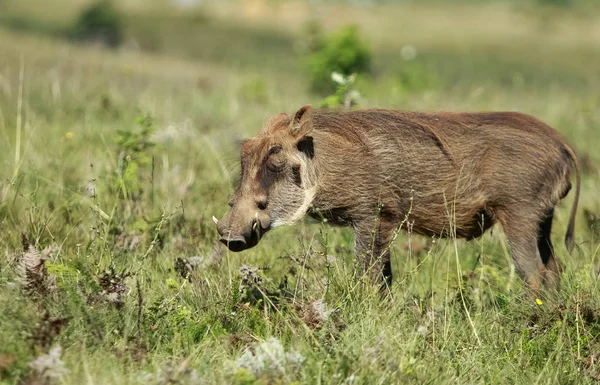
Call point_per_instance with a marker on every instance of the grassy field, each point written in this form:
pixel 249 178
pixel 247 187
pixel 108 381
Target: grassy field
pixel 113 162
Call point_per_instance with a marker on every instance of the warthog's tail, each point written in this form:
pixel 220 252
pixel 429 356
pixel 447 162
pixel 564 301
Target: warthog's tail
pixel 569 237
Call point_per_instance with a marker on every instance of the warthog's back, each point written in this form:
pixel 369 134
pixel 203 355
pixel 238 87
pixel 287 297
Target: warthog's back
pixel 457 167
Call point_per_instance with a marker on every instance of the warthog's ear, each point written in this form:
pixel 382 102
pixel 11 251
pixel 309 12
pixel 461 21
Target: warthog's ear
pixel 276 122
pixel 302 124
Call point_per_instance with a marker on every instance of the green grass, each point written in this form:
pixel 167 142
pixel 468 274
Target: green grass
pixel 126 210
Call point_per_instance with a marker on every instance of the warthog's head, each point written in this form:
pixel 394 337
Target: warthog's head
pixel 276 186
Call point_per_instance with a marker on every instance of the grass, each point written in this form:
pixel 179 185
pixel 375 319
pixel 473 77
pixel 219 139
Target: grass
pixel 124 156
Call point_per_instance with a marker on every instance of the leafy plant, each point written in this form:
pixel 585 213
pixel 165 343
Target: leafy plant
pixel 344 52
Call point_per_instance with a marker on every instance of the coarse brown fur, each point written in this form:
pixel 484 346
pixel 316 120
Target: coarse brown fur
pixel 448 174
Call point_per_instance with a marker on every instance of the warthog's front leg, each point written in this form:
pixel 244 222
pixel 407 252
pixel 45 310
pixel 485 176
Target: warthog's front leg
pixel 372 239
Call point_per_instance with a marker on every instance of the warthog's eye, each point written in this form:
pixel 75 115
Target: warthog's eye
pixel 231 203
pixel 275 162
pixel 274 150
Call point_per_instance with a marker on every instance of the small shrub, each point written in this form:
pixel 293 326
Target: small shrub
pixel 345 95
pixel 100 23
pixel 343 52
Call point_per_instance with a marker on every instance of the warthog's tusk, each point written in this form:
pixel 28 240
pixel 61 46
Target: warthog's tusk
pixel 215 220
pixel 255 221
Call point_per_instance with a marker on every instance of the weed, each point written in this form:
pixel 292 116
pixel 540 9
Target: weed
pixel 48 367
pixel 269 361
pixel 33 271
pixel 132 149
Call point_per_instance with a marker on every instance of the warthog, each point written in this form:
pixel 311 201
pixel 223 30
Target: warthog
pixel 447 174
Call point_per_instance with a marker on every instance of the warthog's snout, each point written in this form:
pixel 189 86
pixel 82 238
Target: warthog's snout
pixel 239 239
pixel 234 243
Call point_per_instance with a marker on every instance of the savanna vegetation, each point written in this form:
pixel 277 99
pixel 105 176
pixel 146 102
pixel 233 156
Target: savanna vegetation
pixel 119 130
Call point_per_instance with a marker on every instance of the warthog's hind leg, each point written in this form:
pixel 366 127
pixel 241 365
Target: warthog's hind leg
pixel 546 249
pixel 522 234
